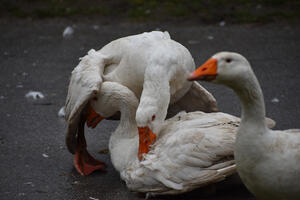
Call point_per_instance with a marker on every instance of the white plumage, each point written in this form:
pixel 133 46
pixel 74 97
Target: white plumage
pixel 152 65
pixel 192 149
pixel 267 160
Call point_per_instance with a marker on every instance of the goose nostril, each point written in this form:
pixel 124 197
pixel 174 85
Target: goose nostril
pixel 153 117
pixel 205 68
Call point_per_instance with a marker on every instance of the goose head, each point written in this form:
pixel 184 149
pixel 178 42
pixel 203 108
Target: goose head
pixel 226 68
pixel 113 97
pixel 102 106
pixel 149 117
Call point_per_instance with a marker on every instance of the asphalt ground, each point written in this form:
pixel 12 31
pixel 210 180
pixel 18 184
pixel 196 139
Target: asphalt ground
pixel 34 56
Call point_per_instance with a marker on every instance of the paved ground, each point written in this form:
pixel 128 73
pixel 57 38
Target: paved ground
pixel 34 56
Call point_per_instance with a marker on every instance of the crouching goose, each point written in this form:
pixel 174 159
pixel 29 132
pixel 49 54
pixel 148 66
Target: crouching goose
pixel 191 150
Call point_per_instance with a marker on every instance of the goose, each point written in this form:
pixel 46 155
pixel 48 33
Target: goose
pixel 267 160
pixel 191 150
pixel 153 66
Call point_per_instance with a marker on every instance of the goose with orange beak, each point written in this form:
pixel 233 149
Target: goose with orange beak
pixel 154 67
pixel 190 150
pixel 267 160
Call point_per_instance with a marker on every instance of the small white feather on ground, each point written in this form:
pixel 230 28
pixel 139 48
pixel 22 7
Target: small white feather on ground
pixel 275 100
pixel 93 198
pixel 45 155
pixel 34 95
pixel 61 112
pixel 222 23
pixel 210 37
pixel 68 32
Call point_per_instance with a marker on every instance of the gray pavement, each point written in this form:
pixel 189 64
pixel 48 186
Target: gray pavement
pixel 34 162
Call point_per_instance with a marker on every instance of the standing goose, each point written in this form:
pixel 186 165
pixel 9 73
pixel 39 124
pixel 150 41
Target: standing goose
pixel 153 66
pixel 191 150
pixel 268 161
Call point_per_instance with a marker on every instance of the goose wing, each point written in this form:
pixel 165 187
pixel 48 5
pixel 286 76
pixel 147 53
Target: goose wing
pixel 85 83
pixel 195 149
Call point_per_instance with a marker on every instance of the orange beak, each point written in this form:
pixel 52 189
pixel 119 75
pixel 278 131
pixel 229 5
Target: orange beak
pixel 93 118
pixel 146 138
pixel 206 72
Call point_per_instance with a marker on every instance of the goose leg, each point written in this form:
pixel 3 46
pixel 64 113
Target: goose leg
pixel 146 138
pixel 84 163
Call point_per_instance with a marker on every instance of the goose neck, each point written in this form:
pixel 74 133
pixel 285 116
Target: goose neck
pixel 123 144
pixel 127 127
pixel 252 100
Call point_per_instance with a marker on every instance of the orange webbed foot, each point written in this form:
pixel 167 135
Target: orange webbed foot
pixel 85 164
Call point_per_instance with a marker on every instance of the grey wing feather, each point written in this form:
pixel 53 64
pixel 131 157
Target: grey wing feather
pixel 85 84
pixel 196 99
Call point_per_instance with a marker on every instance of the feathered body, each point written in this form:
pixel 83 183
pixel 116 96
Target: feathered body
pixel 192 149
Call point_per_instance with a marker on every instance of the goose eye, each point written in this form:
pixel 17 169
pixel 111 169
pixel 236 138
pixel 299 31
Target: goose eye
pixel 153 117
pixel 228 60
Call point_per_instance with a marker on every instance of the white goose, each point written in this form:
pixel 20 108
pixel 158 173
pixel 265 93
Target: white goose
pixel 151 65
pixel 191 150
pixel 268 161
